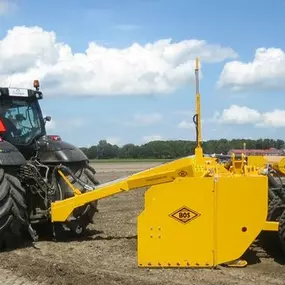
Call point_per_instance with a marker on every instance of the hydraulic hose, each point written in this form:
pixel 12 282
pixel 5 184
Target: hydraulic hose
pixel 195 121
pixel 66 169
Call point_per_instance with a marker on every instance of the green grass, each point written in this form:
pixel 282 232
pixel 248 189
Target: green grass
pixel 120 160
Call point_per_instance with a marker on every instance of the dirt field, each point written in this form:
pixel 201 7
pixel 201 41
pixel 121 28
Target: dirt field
pixel 108 254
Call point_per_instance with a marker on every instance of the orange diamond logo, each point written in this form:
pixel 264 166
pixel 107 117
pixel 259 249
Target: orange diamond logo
pixel 184 215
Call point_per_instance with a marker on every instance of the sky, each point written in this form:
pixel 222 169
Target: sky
pixel 123 71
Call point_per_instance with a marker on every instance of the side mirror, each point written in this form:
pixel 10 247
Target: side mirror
pixel 47 119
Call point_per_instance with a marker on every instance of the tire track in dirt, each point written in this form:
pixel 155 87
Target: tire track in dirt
pixel 8 277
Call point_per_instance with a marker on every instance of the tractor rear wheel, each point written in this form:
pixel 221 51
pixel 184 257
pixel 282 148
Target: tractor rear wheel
pixel 13 210
pixel 275 209
pixel 281 231
pixel 82 216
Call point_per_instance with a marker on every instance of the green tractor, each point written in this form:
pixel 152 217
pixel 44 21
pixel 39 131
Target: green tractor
pixel 29 176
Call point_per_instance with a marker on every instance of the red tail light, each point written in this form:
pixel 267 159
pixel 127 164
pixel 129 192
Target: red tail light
pixel 2 127
pixel 54 137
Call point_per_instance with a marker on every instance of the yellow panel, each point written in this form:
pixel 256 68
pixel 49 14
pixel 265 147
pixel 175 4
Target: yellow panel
pixel 164 240
pixel 256 160
pixel 241 214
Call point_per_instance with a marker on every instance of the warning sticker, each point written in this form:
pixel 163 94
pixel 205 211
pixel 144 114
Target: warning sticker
pixel 184 215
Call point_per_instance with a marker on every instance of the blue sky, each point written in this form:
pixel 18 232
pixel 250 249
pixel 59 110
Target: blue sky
pixel 243 49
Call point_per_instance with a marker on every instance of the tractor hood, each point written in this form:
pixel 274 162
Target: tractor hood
pixel 52 149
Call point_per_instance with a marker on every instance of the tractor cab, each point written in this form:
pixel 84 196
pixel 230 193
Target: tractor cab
pixel 21 119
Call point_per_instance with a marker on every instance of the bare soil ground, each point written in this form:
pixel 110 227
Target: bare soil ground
pixel 108 254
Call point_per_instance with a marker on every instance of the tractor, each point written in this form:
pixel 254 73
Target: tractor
pixel 31 161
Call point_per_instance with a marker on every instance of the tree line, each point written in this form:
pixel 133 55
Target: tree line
pixel 172 149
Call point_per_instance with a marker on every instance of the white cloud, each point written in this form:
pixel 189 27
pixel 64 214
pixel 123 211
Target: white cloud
pixel 152 138
pixel 239 115
pixel 243 115
pixel 153 68
pixel 275 118
pixel 186 124
pixel 267 70
pixel 6 6
pixel 145 119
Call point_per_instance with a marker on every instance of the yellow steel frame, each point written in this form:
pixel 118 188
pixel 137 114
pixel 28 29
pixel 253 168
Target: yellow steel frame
pixel 198 213
pixel 185 167
pixel 217 201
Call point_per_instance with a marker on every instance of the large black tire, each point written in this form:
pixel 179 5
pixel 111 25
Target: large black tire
pixel 272 241
pixel 84 215
pixel 281 232
pixel 13 211
pixel 275 209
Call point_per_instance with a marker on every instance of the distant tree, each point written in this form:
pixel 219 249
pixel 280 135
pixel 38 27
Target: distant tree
pixel 105 150
pixel 84 150
pixel 129 151
pixel 92 152
pixel 175 148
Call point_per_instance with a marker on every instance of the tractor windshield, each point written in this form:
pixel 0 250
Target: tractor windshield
pixel 22 121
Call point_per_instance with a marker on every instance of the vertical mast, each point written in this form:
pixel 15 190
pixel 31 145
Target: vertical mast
pixel 198 150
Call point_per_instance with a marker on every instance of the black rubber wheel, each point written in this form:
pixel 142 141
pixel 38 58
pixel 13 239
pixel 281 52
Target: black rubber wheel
pixel 272 241
pixel 281 231
pixel 83 215
pixel 275 209
pixel 13 211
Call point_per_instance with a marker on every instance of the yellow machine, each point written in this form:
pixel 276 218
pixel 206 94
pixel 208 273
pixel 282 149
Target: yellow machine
pixel 198 213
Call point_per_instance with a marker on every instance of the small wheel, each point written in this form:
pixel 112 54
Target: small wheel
pixel 79 230
pixel 82 216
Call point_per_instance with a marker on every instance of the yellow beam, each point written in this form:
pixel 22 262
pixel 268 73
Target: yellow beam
pixel 271 226
pixel 61 210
